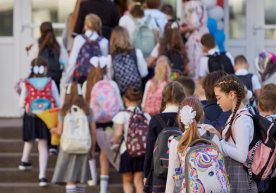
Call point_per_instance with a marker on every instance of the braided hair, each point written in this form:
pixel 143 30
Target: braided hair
pixel 232 83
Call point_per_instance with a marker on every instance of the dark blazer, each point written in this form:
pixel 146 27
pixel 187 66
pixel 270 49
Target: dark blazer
pixel 105 9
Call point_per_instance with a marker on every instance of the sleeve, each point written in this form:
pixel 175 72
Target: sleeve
pixel 151 138
pixel 141 63
pixel 123 21
pixel 80 20
pixel 119 118
pixel 145 93
pixel 203 70
pixel 155 51
pixel 255 83
pixel 55 94
pixel 22 95
pixel 173 163
pixel 241 133
pixel 215 139
pixel 104 46
pixel 65 32
pixel 110 71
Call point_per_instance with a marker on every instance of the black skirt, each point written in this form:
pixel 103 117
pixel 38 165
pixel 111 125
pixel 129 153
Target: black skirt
pixel 34 128
pixel 131 164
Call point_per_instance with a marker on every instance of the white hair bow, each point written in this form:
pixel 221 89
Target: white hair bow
pixel 187 115
pixel 99 61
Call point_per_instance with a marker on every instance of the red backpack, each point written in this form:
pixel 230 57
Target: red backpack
pixel 137 133
pixel 39 100
pixel 153 98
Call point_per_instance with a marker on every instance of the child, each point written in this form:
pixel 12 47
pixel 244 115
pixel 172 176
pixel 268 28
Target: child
pixel 130 167
pixel 250 80
pixel 189 116
pixel 85 46
pixel 72 168
pixel 213 113
pixel 104 98
pixel 154 87
pixel 237 135
pixel 38 90
pixel 128 63
pixel 172 95
pixel 267 108
pixel 188 84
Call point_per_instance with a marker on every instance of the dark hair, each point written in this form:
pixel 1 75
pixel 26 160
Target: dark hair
pixel 48 38
pixel 240 59
pixel 188 84
pixel 267 98
pixel 209 83
pixel 137 10
pixel 74 98
pixel 208 41
pixel 172 93
pixel 153 4
pixel 132 94
pixel 269 70
pixel 38 61
pixel 232 83
pixel 167 9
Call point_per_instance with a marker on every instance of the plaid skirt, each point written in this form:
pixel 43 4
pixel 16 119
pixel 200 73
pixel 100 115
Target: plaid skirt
pixel 238 177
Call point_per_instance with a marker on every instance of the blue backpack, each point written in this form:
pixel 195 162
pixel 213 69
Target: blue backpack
pixel 89 49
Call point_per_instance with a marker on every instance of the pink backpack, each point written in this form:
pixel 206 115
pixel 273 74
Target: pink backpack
pixel 153 98
pixel 261 158
pixel 104 101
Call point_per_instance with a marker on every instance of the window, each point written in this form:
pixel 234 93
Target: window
pixel 270 18
pixel 6 15
pixel 55 11
pixel 237 19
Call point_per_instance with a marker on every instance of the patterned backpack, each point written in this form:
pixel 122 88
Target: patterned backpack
pixel 137 133
pixel 104 101
pixel 39 98
pixel 89 49
pixel 153 98
pixel 126 71
pixel 204 168
pixel 75 138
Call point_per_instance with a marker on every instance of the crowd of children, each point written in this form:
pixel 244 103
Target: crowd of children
pixel 167 134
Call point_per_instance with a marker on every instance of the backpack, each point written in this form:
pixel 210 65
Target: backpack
pixel 261 158
pixel 104 101
pixel 247 81
pixel 89 49
pixel 54 66
pixel 220 61
pixel 75 138
pixel 144 38
pixel 39 99
pixel 176 60
pixel 161 148
pixel 153 98
pixel 137 134
pixel 126 71
pixel 204 168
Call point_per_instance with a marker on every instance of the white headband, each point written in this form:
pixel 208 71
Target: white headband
pixel 187 115
pixel 68 90
pixel 99 62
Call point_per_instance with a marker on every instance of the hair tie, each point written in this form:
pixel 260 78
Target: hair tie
pixel 174 25
pixel 187 115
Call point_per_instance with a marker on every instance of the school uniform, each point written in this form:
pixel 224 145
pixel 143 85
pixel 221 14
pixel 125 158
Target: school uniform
pixel 72 167
pixel 128 163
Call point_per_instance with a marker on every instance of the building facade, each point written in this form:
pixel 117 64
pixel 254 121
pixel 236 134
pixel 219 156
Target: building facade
pixel 249 25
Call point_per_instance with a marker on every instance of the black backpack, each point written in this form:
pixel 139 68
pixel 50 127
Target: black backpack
pixel 161 149
pixel 54 67
pixel 176 60
pixel 219 61
pixel 247 80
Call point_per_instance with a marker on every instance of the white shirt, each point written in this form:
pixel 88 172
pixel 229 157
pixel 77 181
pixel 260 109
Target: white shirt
pixel 254 79
pixel 243 132
pixel 123 118
pixel 174 162
pixel 129 23
pixel 155 52
pixel 159 17
pixel 204 70
pixel 78 43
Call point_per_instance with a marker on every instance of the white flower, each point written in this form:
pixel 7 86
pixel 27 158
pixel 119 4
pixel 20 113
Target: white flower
pixel 187 115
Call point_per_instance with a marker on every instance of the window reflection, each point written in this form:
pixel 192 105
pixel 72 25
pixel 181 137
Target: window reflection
pixel 55 11
pixel 237 19
pixel 6 15
pixel 270 18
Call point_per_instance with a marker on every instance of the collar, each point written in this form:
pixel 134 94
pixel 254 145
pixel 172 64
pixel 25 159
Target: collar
pixel 241 72
pixel 171 109
pixel 212 51
pixel 91 33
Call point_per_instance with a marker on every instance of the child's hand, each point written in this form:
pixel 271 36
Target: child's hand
pixel 211 129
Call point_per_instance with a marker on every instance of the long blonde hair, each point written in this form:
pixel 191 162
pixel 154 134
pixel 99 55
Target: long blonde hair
pixel 119 41
pixel 191 132
pixel 93 22
pixel 162 71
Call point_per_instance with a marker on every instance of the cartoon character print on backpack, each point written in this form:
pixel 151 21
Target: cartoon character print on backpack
pixel 104 101
pixel 39 99
pixel 137 134
pixel 220 61
pixel 204 168
pixel 126 71
pixel 89 49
